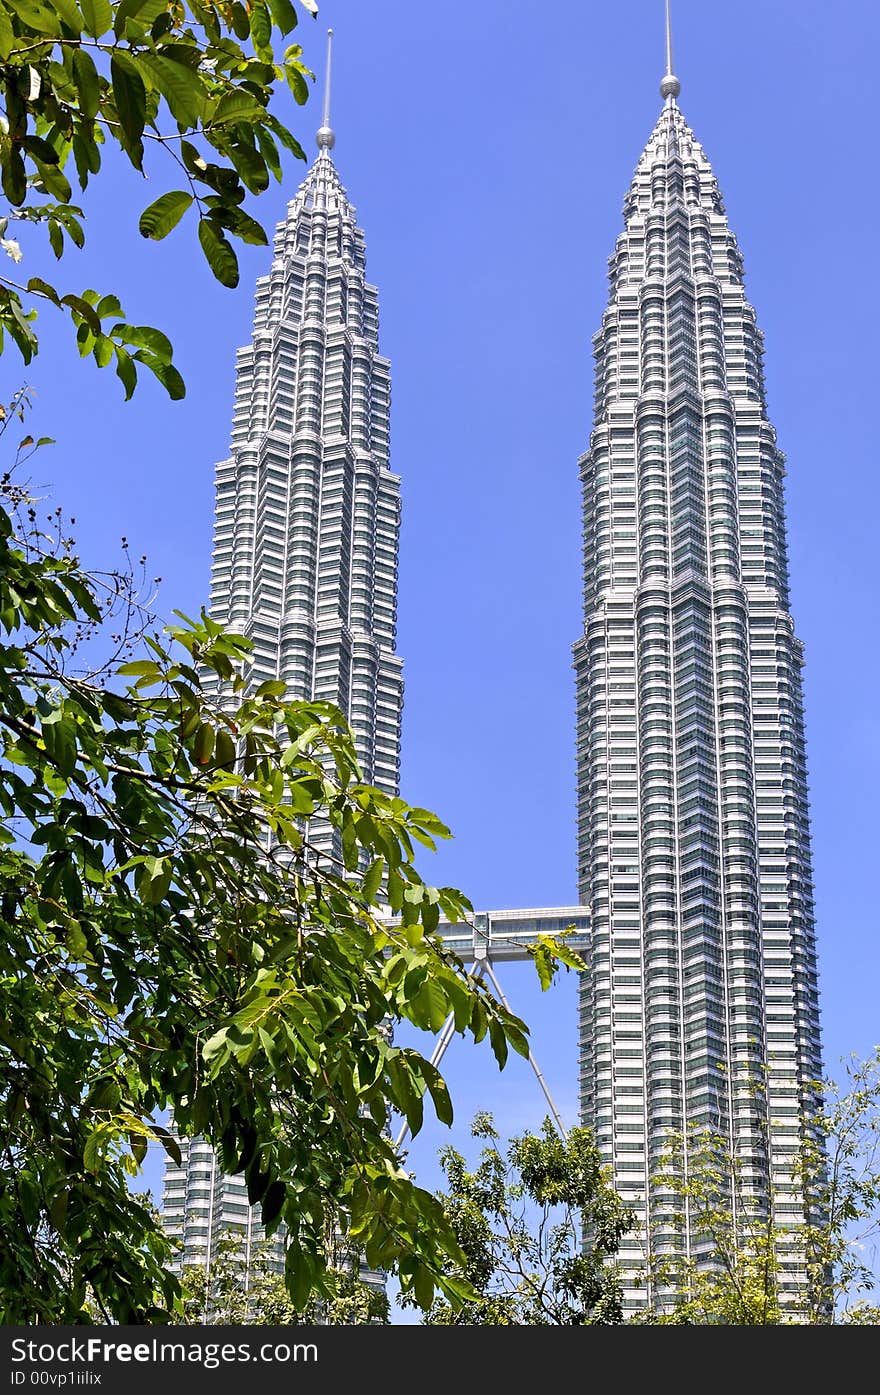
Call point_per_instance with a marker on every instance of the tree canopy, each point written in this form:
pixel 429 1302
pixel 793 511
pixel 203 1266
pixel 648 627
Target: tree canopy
pixel 235 1292
pixel 800 1253
pixel 172 940
pixel 539 1226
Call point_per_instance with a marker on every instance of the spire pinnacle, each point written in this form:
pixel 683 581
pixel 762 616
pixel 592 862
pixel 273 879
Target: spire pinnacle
pixel 325 136
pixel 670 87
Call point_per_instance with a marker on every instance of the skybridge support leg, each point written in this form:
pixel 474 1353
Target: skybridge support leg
pixel 563 1132
pixel 484 965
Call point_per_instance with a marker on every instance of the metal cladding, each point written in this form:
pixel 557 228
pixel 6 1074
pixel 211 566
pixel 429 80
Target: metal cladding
pixel 308 511
pixel 693 832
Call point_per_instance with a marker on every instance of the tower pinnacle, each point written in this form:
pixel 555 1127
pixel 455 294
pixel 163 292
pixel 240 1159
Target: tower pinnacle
pixel 670 87
pixel 325 135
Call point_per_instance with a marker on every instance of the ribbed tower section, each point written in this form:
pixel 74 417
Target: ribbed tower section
pixel 693 834
pixel 307 509
pixel 306 544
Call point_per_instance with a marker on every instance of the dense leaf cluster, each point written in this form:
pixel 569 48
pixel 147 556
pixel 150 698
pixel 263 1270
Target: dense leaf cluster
pixel 190 82
pixel 235 1292
pixel 801 1252
pixel 539 1227
pixel 170 940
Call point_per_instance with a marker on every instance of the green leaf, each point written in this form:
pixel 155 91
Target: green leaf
pixel 129 95
pixel 71 226
pixel 59 738
pixel 163 214
pixel 181 87
pixel 221 258
pixel 38 287
pixel 236 105
pixel 272 1203
pixel 83 311
pixel 144 11
pixel 39 19
pixel 498 1041
pixel 224 749
pixel 75 940
pixel 140 668
pixel 516 1036
pixel 250 165
pixel 86 156
pixel 564 952
pixel 269 151
pixel 261 27
pixel 203 746
pixel 273 688
pixel 457 1290
pixel 97 17
pixel 241 224
pixel 40 149
pixel 52 180
pixel 85 75
pixel 13 177
pixel 108 305
pixel 105 1094
pixel 91 1158
pixel 543 964
pixel 71 17
pixel 423 1285
pixel 295 80
pixel 155 880
pixel 166 373
pixel 125 371
pixel 373 880
pixel 438 1091
pixel 431 1002
pixel 170 1144
pixel 103 350
pixel 284 15
pixel 215 1045
pixel 144 337
pixel 240 23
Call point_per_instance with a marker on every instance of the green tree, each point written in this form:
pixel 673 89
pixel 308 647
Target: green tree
pixel 539 1229
pixel 734 1276
pixel 231 1292
pixel 172 941
pixel 184 93
pixel 823 1225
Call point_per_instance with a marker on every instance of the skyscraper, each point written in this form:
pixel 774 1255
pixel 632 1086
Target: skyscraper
pixel 306 538
pixel 693 833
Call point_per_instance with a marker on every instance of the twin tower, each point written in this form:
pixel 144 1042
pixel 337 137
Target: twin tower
pixel 693 835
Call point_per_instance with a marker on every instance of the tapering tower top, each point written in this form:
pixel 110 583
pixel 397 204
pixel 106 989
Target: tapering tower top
pixel 325 136
pixel 670 87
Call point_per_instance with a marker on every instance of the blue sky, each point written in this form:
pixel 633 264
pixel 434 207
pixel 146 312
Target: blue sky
pixel 488 148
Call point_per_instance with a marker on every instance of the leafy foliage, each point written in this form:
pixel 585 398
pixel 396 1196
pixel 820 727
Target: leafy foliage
pixel 190 83
pixel 733 1277
pixel 171 940
pixel 518 1219
pixel 232 1293
pixel 820 1225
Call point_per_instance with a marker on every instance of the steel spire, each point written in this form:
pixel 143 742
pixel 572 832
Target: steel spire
pixel 670 87
pixel 325 136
